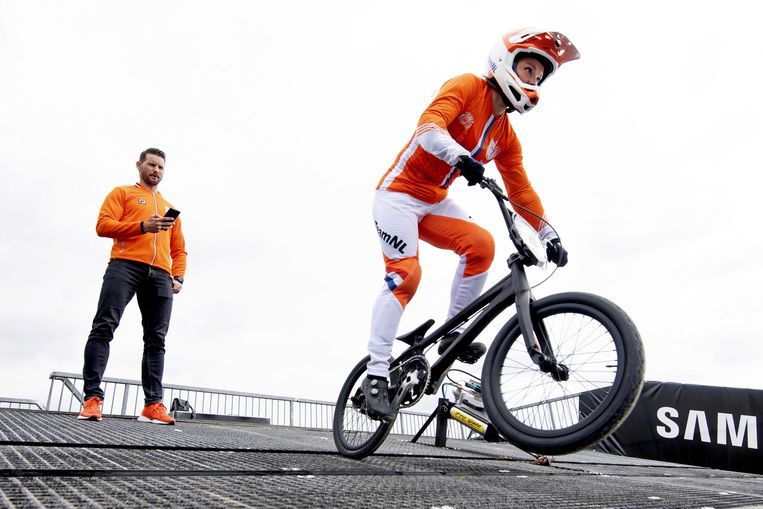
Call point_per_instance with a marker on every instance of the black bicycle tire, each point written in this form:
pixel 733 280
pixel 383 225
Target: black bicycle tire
pixel 376 439
pixel 629 380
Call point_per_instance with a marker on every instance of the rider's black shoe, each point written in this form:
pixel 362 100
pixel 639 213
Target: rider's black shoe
pixel 377 398
pixel 469 356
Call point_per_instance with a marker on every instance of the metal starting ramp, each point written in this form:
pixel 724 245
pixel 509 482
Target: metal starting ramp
pixel 55 460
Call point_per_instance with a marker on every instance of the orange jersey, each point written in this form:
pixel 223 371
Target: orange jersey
pixel 119 218
pixel 460 121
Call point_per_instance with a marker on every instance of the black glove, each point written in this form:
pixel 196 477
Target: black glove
pixel 556 252
pixel 471 170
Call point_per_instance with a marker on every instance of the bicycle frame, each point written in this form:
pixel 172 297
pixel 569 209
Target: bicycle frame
pixel 512 289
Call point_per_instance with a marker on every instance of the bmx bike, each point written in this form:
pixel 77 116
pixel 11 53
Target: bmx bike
pixel 568 383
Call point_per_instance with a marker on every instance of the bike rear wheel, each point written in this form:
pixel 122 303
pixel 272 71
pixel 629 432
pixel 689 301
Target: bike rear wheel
pixel 355 434
pixel 601 347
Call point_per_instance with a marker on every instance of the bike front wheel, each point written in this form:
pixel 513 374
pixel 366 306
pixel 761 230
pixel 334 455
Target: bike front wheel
pixel 599 345
pixel 356 435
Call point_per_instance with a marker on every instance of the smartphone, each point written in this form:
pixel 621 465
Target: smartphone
pixel 172 213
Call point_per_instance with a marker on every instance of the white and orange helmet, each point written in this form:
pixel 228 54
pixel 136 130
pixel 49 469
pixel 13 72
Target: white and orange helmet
pixel 552 49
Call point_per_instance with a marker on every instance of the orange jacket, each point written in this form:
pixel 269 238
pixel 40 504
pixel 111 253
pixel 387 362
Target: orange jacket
pixel 460 121
pixel 119 218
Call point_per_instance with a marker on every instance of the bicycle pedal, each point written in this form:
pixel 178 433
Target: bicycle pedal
pixel 374 417
pixel 358 399
pixel 472 354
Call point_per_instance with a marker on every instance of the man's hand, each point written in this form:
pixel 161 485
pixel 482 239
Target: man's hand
pixel 556 252
pixel 156 224
pixel 176 286
pixel 471 170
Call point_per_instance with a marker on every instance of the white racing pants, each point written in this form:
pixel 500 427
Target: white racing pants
pixel 401 220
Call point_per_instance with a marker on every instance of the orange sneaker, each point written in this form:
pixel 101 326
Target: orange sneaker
pixel 91 410
pixel 156 413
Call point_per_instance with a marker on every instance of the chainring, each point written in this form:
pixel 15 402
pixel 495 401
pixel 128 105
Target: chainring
pixel 415 371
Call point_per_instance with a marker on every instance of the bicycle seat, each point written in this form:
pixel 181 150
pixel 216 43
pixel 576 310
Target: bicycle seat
pixel 417 333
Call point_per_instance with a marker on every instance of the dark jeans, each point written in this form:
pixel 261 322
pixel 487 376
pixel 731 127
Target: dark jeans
pixel 122 280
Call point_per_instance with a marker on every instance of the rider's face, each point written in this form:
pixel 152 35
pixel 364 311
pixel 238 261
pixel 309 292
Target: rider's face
pixel 529 70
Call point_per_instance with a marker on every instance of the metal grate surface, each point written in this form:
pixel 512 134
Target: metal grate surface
pixel 357 491
pixel 71 461
pixel 54 460
pixel 22 427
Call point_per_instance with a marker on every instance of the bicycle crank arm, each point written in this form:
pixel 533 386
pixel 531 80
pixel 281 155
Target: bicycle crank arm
pixel 402 392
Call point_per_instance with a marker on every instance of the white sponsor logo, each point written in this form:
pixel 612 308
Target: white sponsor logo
pixel 729 427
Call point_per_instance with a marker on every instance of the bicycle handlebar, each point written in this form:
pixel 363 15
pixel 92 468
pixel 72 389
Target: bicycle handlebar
pixel 492 185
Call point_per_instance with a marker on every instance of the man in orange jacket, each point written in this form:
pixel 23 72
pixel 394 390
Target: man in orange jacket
pixel 148 258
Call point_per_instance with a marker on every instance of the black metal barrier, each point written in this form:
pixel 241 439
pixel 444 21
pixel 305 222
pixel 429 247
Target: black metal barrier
pixel 715 427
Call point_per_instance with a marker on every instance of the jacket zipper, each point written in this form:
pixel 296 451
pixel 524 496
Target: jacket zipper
pixel 156 211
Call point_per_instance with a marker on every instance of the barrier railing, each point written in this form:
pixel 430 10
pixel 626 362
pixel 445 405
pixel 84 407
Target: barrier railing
pixel 550 413
pixel 124 397
pixel 20 404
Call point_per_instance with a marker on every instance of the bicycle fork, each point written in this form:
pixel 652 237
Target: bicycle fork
pixel 534 331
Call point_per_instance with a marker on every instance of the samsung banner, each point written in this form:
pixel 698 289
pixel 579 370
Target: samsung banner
pixel 715 427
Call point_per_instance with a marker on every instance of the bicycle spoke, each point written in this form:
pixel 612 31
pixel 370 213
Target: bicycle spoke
pixel 581 343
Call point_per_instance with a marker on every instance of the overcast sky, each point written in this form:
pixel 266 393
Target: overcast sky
pixel 278 119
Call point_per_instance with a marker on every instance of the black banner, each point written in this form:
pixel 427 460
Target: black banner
pixel 715 427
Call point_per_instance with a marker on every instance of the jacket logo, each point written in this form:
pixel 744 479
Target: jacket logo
pixel 392 240
pixel 466 119
pixel 141 201
pixel 492 150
